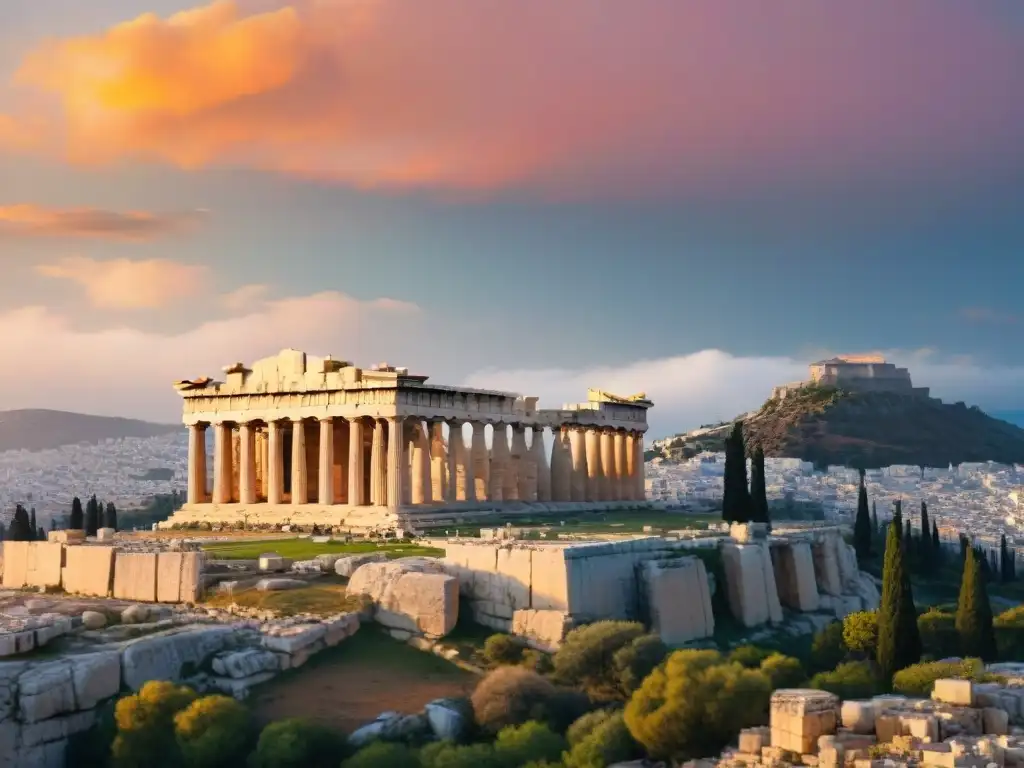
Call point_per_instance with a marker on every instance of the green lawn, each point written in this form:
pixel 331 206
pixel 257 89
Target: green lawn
pixel 323 597
pixel 625 521
pixel 305 549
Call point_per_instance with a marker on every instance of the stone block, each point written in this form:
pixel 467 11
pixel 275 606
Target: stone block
pixel 753 739
pixel 826 565
pixel 105 534
pixel 293 639
pixel 45 561
pixel 171 654
pixel 956 692
pixel 135 576
pixel 678 599
pixel 858 716
pixel 278 585
pixel 245 663
pixel 168 577
pixel 750 584
pixel 544 630
pixel 66 537
pixel 800 716
pixel 89 570
pixel 413 594
pixel 995 721
pixel 347 565
pixel 15 562
pixel 793 564
pixel 920 726
pixel 191 577
pixel 274 562
pixel 744 533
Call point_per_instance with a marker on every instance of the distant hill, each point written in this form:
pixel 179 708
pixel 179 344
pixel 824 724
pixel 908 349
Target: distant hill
pixel 1014 417
pixel 38 429
pixel 826 425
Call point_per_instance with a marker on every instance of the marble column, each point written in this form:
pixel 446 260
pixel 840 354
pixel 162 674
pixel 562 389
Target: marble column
pixel 300 490
pixel 378 466
pixel 578 449
pixel 629 481
pixel 499 463
pixel 263 452
pixel 275 475
pixel 222 463
pixel 595 472
pixel 438 462
pixel 196 463
pixel 641 486
pixel 455 449
pixel 481 462
pixel 524 474
pixel 396 464
pixel 356 487
pixel 608 466
pixel 466 477
pixel 621 483
pixel 561 466
pixel 246 464
pixel 325 469
pixel 420 459
pixel 539 461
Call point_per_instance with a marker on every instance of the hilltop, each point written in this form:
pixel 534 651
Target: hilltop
pixel 39 429
pixel 830 425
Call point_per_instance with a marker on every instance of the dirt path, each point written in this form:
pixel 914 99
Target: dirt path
pixel 348 686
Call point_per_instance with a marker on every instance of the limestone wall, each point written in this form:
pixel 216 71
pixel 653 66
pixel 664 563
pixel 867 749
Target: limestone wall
pixel 102 571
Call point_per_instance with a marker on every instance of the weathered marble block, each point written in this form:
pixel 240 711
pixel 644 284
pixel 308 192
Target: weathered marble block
pixel 88 570
pixel 800 716
pixel 750 584
pixel 135 576
pixel 678 599
pixel 793 564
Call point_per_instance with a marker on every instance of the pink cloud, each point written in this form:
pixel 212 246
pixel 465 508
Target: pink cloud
pixel 41 221
pixel 126 284
pixel 574 97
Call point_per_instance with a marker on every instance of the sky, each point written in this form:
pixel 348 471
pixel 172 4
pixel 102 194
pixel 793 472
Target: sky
pixel 693 200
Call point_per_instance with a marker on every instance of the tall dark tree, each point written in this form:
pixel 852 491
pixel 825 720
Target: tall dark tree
pixel 899 644
pixel 925 543
pixel 874 519
pixel 3 531
pixel 32 524
pixel 974 613
pixel 908 539
pixel 92 516
pixel 862 527
pixel 936 542
pixel 20 529
pixel 965 544
pixel 758 489
pixel 736 497
pixel 77 522
pixel 110 516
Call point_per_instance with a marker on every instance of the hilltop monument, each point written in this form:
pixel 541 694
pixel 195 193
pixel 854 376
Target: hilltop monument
pixel 856 373
pixel 303 439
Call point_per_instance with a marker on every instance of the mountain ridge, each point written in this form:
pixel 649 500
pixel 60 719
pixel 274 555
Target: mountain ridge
pixel 827 425
pixel 39 429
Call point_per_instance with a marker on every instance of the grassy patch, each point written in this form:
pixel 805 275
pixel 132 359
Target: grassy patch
pixel 323 597
pixel 620 521
pixel 306 549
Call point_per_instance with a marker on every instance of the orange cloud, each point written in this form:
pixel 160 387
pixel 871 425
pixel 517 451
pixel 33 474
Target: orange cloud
pixel 569 96
pixel 126 284
pixel 40 221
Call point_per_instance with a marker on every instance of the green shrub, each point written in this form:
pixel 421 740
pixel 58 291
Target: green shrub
pixel 783 671
pixel 447 755
pixel 538 661
pixel 297 743
pixel 939 637
pixel 383 754
pixel 529 742
pixel 512 696
pixel 604 741
pixel 827 647
pixel 586 657
pixel 694 704
pixel 849 680
pixel 502 649
pixel 750 656
pixel 91 748
pixel 633 662
pixel 1009 629
pixel 860 633
pixel 213 732
pixel 145 725
pixel 584 725
pixel 919 679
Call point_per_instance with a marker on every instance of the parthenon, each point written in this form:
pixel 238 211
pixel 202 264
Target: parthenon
pixel 303 439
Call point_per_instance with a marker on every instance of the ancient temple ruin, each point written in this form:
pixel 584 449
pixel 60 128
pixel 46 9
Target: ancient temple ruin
pixel 307 440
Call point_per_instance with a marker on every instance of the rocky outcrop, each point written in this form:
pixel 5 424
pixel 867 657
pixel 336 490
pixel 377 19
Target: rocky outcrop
pixel 413 595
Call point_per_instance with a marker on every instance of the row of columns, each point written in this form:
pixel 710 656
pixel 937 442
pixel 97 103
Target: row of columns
pixel 410 463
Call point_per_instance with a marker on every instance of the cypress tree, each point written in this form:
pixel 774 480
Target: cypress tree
pixel 964 545
pixel 32 524
pixel 1004 560
pixel 974 613
pixel 862 527
pixel 110 516
pixel 908 540
pixel 758 489
pixel 936 543
pixel 92 516
pixel 736 496
pixel 926 537
pixel 77 517
pixel 20 530
pixel 874 519
pixel 3 531
pixel 899 644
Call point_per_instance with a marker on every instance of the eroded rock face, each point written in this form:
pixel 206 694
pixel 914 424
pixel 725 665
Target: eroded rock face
pixel 164 656
pixel 413 595
pixel 345 566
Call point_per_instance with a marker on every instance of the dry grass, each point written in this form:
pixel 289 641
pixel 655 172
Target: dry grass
pixel 324 597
